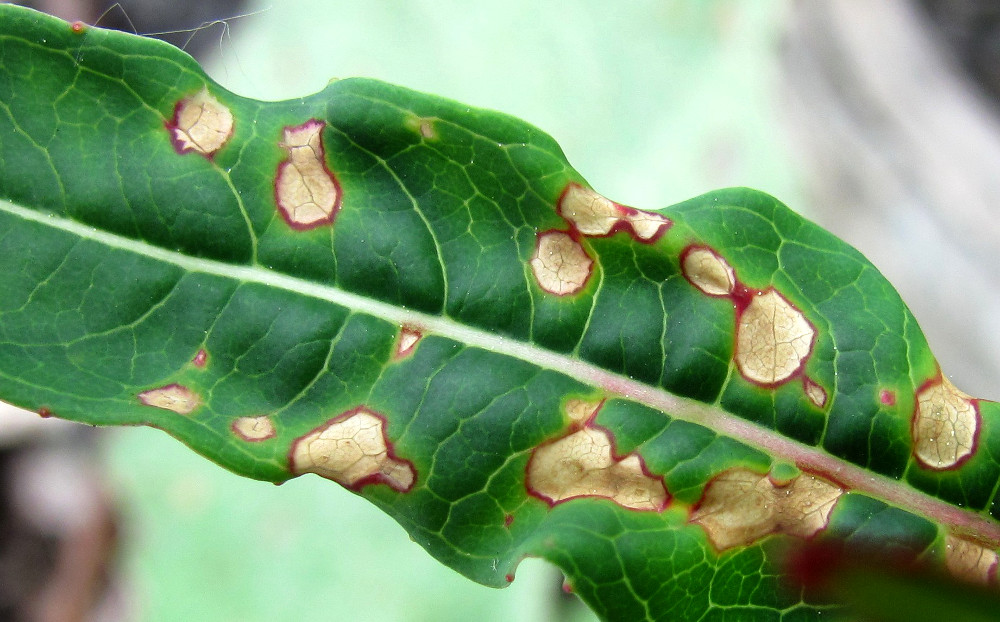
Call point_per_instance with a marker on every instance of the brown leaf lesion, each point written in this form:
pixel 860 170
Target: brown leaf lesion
pixel 352 450
pixel 173 397
pixel 595 215
pixel 254 429
pixel 969 561
pixel 740 506
pixel 307 192
pixel 201 124
pixel 583 464
pixel 560 264
pixel 945 425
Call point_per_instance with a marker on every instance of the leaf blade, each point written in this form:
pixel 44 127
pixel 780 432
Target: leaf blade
pixel 251 314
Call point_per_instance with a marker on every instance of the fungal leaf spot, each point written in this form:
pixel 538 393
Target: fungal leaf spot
pixel 175 397
pixel 560 264
pixel 582 411
pixel 254 429
pixel 592 214
pixel 582 464
pixel 200 124
pixel 945 425
pixel 307 193
pixel 740 506
pixel 815 393
pixel 773 339
pixel 353 451
pixel 707 271
pixel 200 359
pixel 407 341
pixel 887 397
pixel 424 126
pixel 969 561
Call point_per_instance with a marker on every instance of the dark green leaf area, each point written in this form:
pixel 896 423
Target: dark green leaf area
pixel 467 419
pixel 635 566
pixel 697 342
pixel 859 522
pixel 92 144
pixel 785 409
pixel 79 323
pixel 445 171
pixel 255 370
pixel 649 323
pixel 627 322
pixel 559 321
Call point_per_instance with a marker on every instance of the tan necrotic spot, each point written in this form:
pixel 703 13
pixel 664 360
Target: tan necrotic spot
pixel 560 264
pixel 424 126
pixel 352 450
pixel 175 397
pixel 200 124
pixel 407 341
pixel 645 225
pixel 254 429
pixel 592 214
pixel 308 194
pixel 815 393
pixel 582 411
pixel 740 507
pixel 708 272
pixel 773 339
pixel 969 561
pixel 582 465
pixel 945 425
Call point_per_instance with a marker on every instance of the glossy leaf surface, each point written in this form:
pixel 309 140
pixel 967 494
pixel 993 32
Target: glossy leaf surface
pixel 425 303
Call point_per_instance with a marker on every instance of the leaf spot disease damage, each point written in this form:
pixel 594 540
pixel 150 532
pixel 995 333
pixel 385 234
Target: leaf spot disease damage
pixel 352 450
pixel 583 464
pixel 969 561
pixel 407 341
pixel 581 412
pixel 815 393
pixel 200 359
pixel 254 429
pixel 424 126
pixel 307 192
pixel 200 124
pixel 740 506
pixel 560 264
pixel 773 338
pixel 707 271
pixel 592 214
pixel 175 397
pixel 888 398
pixel 945 425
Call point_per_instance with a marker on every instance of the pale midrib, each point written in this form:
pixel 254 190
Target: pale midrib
pixel 853 477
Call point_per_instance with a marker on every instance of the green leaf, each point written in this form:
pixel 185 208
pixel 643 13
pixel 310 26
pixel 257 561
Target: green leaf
pixel 425 303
